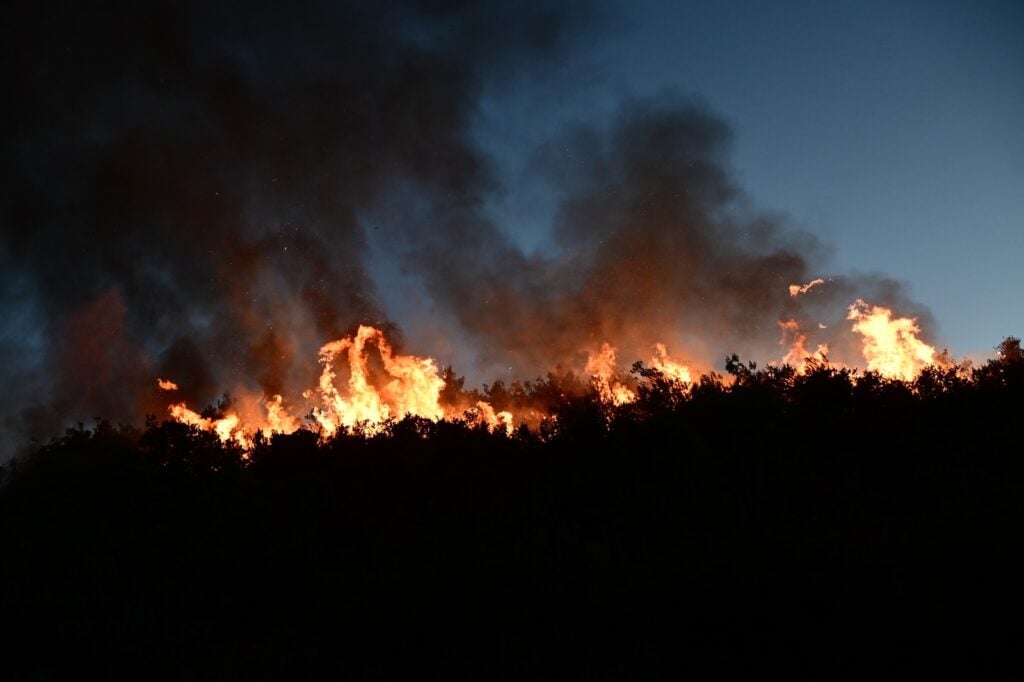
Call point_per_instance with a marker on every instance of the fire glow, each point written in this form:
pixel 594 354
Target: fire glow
pixel 364 384
pixel 891 346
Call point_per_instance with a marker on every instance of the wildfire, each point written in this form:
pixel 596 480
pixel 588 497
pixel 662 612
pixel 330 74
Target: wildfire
pixel 890 346
pixel 601 366
pixel 366 401
pixel 797 289
pixel 798 356
pixel 364 384
pixel 227 428
pixel 669 367
pixel 604 371
pixel 485 414
pixel 278 419
pixel 414 385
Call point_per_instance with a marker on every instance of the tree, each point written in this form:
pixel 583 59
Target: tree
pixel 1010 351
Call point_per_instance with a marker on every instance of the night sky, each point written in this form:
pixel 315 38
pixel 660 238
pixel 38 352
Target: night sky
pixel 210 191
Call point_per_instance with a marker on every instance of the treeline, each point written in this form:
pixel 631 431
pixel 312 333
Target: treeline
pixel 819 524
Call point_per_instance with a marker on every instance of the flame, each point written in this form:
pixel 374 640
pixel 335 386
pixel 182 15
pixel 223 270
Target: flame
pixel 414 387
pixel 411 386
pixel 227 428
pixel 364 384
pixel 797 289
pixel 798 357
pixel 601 366
pixel 669 367
pixel 890 346
pixel 485 414
pixel 278 419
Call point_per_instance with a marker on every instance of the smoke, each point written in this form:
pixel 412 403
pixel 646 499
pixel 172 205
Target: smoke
pixel 655 242
pixel 185 186
pixel 183 180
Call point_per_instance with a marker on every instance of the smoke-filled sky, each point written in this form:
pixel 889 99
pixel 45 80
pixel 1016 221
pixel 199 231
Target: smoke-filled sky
pixel 893 130
pixel 209 191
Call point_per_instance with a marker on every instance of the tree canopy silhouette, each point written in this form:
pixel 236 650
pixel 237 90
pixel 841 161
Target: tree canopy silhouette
pixel 764 520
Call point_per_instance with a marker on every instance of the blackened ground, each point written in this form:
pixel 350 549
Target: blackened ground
pixel 806 527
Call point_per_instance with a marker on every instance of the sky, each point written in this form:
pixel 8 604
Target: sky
pixel 893 130
pixel 210 191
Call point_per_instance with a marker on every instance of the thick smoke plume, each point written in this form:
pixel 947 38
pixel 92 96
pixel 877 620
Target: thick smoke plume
pixel 655 242
pixel 185 186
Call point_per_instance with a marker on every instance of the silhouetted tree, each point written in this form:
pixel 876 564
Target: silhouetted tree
pixel 719 528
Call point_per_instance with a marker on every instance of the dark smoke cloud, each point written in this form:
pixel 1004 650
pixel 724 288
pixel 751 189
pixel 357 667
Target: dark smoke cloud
pixel 656 242
pixel 186 186
pixel 182 181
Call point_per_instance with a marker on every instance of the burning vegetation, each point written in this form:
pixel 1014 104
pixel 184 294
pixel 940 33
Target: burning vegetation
pixel 257 198
pixel 365 385
pixel 721 515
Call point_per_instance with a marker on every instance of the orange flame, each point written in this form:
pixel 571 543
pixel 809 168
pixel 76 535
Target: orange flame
pixel 278 419
pixel 601 366
pixel 376 385
pixel 669 367
pixel 485 414
pixel 797 289
pixel 890 346
pixel 414 388
pixel 227 428
pixel 798 357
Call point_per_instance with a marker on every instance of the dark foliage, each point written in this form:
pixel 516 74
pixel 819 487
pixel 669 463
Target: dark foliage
pixel 783 524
